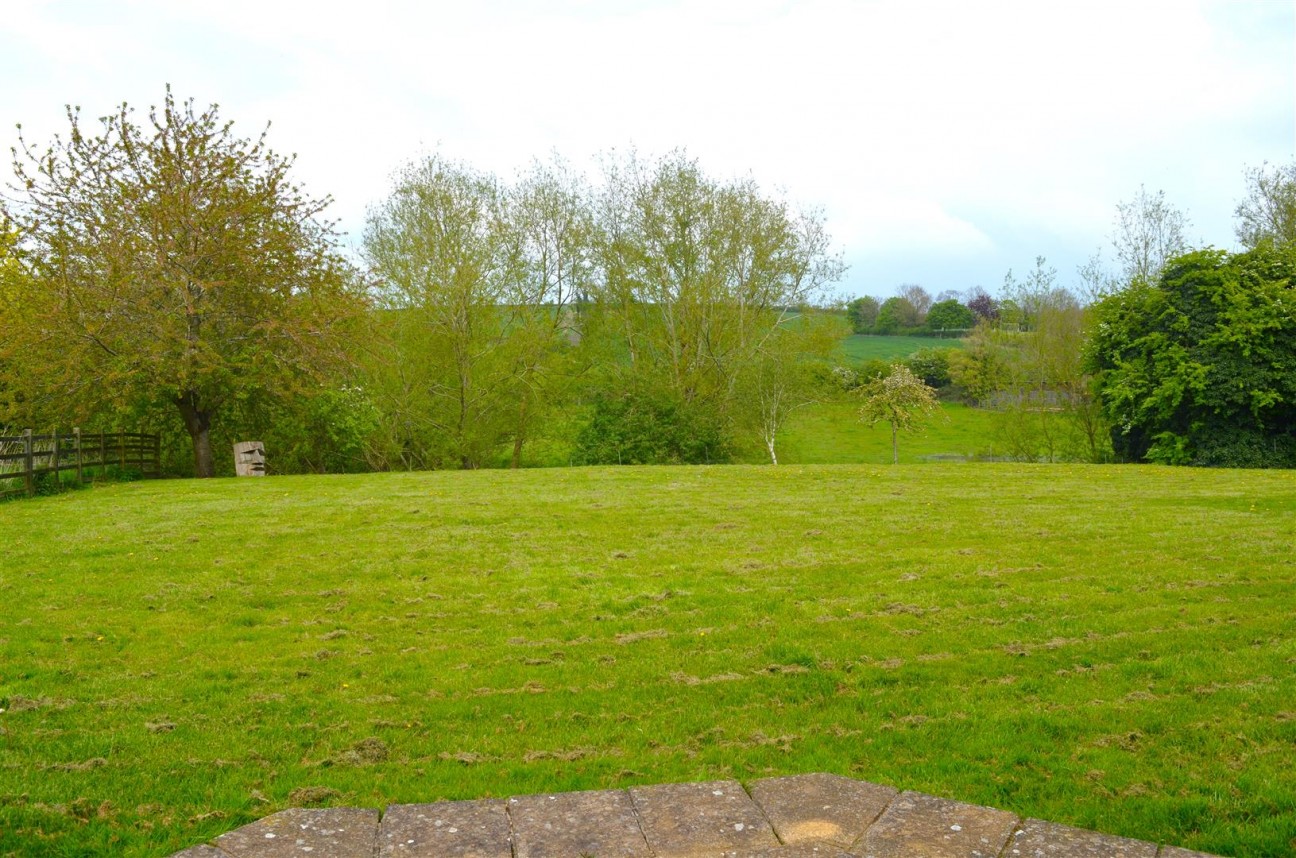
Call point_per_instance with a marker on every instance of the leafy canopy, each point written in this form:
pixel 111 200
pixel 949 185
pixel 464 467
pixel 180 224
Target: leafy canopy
pixel 172 262
pixel 1200 366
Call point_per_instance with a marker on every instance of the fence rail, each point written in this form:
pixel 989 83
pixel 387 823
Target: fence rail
pixel 25 457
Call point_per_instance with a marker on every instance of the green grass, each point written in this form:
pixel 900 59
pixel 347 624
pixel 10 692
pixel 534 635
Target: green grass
pixel 831 433
pixel 1109 647
pixel 860 347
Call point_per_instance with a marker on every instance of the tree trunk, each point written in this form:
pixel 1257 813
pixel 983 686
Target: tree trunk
pixel 895 448
pixel 198 422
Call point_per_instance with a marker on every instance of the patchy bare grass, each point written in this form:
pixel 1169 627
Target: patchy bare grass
pixel 1107 647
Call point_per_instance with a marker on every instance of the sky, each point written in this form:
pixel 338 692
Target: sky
pixel 944 142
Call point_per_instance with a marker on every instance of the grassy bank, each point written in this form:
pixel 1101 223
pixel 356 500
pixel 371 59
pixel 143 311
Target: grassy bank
pixel 1108 647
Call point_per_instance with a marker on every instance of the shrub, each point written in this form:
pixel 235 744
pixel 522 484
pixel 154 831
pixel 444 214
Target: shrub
pixel 637 428
pixel 931 365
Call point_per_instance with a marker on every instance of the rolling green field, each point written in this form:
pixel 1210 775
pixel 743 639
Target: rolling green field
pixel 866 346
pixel 1109 647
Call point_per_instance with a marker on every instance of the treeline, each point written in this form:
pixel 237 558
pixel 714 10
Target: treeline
pixel 656 314
pixel 169 276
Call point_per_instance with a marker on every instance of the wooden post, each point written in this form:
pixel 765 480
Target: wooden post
pixel 103 454
pixel 121 450
pixel 76 434
pixel 54 460
pixel 157 456
pixel 28 477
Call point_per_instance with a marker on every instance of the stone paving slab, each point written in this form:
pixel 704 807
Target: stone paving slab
pixel 446 829
pixel 804 850
pixel 570 824
pixel 821 807
pixel 805 816
pixel 337 832
pixel 701 819
pixel 917 824
pixel 1036 838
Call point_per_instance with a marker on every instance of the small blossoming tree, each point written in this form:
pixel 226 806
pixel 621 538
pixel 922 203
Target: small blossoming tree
pixel 901 399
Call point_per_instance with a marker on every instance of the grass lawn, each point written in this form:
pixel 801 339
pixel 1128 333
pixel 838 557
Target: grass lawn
pixel 861 347
pixel 1110 647
pixel 831 433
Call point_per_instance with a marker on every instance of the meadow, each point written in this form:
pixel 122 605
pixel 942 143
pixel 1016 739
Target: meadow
pixel 861 347
pixel 1108 647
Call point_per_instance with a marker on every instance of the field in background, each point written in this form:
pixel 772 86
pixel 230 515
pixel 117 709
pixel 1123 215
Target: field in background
pixel 1105 646
pixel 859 347
pixel 831 433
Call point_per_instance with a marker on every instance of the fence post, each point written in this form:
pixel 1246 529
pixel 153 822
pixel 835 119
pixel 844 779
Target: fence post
pixel 29 478
pixel 103 454
pixel 76 434
pixel 121 451
pixel 54 461
pixel 157 456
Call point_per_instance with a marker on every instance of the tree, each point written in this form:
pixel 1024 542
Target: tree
pixel 1023 299
pixel 451 273
pixel 1199 367
pixel 172 263
pixel 1268 213
pixel 983 367
pixel 949 315
pixel 862 313
pixel 894 314
pixel 549 212
pixel 981 304
pixel 919 298
pixel 1149 232
pixel 783 377
pixel 698 277
pixel 900 399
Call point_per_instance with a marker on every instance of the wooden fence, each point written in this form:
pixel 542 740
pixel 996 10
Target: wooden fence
pixel 25 457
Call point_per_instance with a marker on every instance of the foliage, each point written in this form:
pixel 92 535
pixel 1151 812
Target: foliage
pixel 901 400
pixel 896 314
pixel 642 428
pixel 1149 232
pixel 950 315
pixel 1200 366
pixel 918 298
pixel 328 431
pixel 862 313
pixel 982 305
pixel 173 264
pixel 1267 215
pixel 479 284
pixel 1024 299
pixel 932 365
pixel 982 367
pixel 700 278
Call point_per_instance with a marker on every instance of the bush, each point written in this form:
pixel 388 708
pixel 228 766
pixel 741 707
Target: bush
pixel 649 429
pixel 931 365
pixel 949 316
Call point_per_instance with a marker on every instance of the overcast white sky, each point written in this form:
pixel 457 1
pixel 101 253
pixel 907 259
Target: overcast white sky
pixel 946 142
